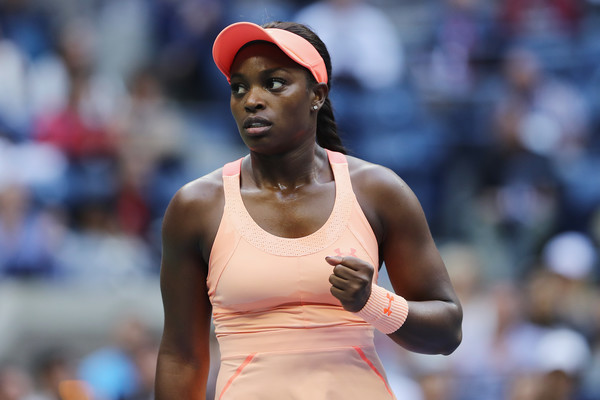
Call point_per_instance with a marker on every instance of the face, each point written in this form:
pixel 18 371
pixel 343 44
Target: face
pixel 272 99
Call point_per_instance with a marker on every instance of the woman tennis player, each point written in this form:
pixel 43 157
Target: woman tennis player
pixel 282 248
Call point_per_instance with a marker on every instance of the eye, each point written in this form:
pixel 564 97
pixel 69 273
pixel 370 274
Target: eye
pixel 237 89
pixel 275 83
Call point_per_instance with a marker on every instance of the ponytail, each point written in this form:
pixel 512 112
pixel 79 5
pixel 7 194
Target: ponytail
pixel 327 135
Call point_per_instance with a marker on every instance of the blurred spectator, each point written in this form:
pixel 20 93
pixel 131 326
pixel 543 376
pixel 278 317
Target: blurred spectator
pixel 148 131
pixel 86 144
pixel 15 384
pixel 262 11
pixel 539 112
pixel 561 299
pixel 124 41
pixel 26 244
pixel 534 17
pixel 184 33
pixel 435 385
pixel 25 23
pixel 99 253
pixel 78 124
pixel 571 255
pixel 13 101
pixel 50 368
pixel 79 127
pixel 571 260
pixel 465 41
pixel 562 356
pixel 79 136
pixel 590 382
pixel 145 361
pixel 364 44
pixel 512 346
pixel 581 189
pixel 496 334
pixel 31 179
pixel 113 371
pixel 539 124
pixel 71 77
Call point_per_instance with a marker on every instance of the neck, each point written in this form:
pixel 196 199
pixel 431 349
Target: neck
pixel 289 171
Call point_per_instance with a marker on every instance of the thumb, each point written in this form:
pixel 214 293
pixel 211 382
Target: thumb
pixel 333 260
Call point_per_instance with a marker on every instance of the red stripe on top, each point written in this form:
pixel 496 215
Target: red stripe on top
pixel 374 368
pixel 236 374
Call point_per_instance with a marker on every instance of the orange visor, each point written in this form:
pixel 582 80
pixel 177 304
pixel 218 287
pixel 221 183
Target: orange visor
pixel 235 36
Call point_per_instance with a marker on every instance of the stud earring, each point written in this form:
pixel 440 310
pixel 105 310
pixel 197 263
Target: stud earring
pixel 315 107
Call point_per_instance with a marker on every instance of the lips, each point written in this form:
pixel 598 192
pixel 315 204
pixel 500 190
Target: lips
pixel 256 122
pixel 256 125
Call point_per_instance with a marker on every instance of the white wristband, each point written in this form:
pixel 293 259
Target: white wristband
pixel 385 310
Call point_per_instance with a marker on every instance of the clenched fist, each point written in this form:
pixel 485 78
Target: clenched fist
pixel 351 281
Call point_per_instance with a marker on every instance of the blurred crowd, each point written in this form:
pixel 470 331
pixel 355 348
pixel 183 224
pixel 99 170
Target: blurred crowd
pixel 488 109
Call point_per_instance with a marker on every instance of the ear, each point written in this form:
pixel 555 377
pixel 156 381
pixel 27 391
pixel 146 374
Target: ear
pixel 319 94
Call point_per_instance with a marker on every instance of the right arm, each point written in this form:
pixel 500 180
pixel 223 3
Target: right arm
pixel 183 359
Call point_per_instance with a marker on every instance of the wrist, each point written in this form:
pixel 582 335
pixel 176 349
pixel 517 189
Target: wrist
pixel 385 310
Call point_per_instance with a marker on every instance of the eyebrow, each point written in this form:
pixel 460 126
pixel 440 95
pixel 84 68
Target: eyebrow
pixel 269 71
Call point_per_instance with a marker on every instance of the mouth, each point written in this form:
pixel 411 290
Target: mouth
pixel 256 125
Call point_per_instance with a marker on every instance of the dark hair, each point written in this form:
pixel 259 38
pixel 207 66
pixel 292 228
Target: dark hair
pixel 327 135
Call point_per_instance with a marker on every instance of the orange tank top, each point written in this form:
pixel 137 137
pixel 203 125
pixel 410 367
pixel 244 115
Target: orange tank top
pixel 271 294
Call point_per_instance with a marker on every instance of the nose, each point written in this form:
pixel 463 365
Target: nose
pixel 254 101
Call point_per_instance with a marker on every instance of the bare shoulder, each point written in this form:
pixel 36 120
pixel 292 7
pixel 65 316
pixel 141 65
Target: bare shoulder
pixel 384 196
pixel 201 192
pixel 196 209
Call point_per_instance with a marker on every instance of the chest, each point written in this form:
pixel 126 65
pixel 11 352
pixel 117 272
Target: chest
pixel 291 214
pixel 256 279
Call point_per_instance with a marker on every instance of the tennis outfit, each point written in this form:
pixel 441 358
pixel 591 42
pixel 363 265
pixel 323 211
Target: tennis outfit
pixel 282 334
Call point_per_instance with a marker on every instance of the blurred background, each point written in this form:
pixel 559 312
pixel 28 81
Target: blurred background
pixel 489 110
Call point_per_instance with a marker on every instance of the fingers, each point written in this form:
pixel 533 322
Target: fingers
pixel 347 273
pixel 338 293
pixel 350 262
pixel 352 298
pixel 348 267
pixel 340 280
pixel 347 279
pixel 337 283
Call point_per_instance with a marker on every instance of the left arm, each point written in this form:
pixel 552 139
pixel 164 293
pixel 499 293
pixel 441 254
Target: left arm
pixel 414 266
